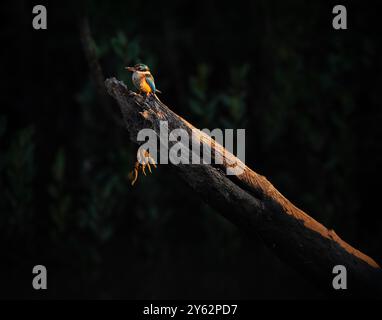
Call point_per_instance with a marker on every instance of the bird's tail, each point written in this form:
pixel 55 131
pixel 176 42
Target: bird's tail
pixel 156 97
pixel 156 90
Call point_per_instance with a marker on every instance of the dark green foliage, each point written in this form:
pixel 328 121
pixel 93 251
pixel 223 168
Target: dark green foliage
pixel 17 171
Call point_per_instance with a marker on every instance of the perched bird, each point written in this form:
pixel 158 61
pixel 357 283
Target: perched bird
pixel 144 82
pixel 143 79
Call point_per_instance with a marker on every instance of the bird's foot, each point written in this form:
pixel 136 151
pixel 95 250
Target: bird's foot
pixel 144 160
pixel 147 96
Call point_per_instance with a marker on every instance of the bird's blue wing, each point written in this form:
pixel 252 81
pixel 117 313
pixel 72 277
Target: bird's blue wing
pixel 150 82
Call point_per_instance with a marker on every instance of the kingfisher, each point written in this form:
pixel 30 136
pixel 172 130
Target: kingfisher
pixel 143 79
pixel 144 82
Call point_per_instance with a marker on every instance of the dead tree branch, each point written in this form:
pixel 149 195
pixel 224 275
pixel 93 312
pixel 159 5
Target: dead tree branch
pixel 95 69
pixel 251 202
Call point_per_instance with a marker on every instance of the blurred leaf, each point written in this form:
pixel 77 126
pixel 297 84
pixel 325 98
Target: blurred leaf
pixel 59 165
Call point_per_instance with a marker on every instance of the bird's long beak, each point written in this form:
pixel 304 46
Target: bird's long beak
pixel 131 69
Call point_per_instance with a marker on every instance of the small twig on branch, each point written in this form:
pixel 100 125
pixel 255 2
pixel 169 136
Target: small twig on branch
pixel 251 202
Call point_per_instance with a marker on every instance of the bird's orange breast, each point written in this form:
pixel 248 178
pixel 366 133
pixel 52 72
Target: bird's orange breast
pixel 143 85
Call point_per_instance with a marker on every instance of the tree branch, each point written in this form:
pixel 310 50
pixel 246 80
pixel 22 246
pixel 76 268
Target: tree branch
pixel 251 202
pixel 95 69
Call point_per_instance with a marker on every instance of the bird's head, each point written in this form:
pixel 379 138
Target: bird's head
pixel 138 67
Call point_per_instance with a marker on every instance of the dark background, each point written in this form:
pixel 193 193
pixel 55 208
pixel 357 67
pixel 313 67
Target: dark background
pixel 308 96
